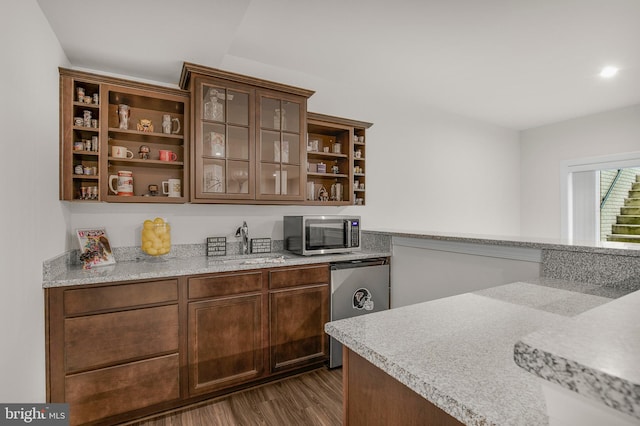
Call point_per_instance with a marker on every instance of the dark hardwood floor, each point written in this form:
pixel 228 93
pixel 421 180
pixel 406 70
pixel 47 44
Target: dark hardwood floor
pixel 313 398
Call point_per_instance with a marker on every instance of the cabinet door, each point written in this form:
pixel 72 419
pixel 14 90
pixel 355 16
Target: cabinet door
pixel 281 150
pixel 225 342
pixel 296 326
pixel 224 141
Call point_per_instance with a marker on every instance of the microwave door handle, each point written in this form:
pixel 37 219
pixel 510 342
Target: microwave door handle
pixel 348 242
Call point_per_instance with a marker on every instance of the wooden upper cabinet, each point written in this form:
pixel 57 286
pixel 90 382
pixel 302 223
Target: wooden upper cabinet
pixel 280 142
pixel 226 137
pixel 336 160
pixel 249 138
pixel 224 140
pixel 155 124
pixel 80 103
pixel 92 130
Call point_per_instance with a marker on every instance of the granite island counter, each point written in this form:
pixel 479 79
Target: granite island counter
pixel 458 352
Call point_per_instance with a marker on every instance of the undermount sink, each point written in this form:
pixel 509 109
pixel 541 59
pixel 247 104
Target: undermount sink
pixel 253 260
pixel 258 260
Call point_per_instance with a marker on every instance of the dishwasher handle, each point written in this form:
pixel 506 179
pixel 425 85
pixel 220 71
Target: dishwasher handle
pixel 362 263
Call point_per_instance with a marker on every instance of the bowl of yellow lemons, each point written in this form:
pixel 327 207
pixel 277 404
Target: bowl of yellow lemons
pixel 156 237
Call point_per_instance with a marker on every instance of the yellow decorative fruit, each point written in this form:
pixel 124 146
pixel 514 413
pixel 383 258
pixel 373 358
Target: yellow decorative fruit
pixel 156 237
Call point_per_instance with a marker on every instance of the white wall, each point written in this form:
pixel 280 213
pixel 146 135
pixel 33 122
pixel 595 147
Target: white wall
pixel 415 156
pixel 34 221
pixel 543 148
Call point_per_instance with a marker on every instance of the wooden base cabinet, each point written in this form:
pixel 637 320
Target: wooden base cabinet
pixel 121 351
pixel 99 394
pixel 113 349
pixel 298 310
pixel 225 331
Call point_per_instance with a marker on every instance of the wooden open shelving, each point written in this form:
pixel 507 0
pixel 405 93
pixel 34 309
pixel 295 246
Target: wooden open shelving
pixel 145 101
pixel 323 132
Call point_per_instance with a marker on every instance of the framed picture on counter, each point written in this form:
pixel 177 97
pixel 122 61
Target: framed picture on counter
pixel 95 249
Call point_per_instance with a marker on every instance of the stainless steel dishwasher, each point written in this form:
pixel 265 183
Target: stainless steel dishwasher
pixel 358 287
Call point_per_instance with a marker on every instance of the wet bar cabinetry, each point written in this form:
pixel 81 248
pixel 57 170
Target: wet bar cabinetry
pixel 335 160
pixel 248 142
pixel 113 350
pixel 123 350
pixel 141 139
pixel 229 138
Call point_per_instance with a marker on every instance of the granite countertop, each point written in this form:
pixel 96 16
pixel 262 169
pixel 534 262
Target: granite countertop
pixel 458 352
pixel 601 247
pixel 148 268
pixel 578 354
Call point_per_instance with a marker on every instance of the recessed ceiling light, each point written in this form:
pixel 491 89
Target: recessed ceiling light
pixel 608 72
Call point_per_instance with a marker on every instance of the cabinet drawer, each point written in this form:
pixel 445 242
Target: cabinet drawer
pixel 316 274
pixel 101 393
pixel 99 340
pixel 224 285
pixel 86 300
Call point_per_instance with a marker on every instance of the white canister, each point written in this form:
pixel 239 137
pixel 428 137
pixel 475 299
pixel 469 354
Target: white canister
pixel 124 184
pixel 311 191
pixel 336 192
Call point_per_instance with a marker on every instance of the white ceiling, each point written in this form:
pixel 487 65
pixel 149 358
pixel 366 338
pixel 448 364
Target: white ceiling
pixel 515 63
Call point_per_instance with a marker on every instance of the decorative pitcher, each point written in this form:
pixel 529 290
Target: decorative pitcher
pixel 167 125
pixel 124 113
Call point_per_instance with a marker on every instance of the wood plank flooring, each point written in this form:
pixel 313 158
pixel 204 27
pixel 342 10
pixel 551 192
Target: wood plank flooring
pixel 313 398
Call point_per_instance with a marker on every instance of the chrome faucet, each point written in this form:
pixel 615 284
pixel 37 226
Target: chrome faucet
pixel 243 233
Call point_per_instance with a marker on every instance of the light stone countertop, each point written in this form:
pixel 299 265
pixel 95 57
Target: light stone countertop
pixel 596 354
pixel 602 247
pixel 457 352
pixel 180 266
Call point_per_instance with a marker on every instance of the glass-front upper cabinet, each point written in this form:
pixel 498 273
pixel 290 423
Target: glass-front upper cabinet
pixel 224 153
pixel 280 153
pixel 249 138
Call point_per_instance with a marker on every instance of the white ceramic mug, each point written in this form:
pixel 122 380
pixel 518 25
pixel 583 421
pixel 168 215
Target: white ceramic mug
pixel 172 187
pixel 120 152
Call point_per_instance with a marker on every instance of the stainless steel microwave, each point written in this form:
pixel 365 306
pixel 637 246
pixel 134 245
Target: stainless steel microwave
pixel 307 235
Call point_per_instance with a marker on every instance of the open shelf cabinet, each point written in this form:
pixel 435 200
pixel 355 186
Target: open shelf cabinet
pixel 335 160
pixel 91 126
